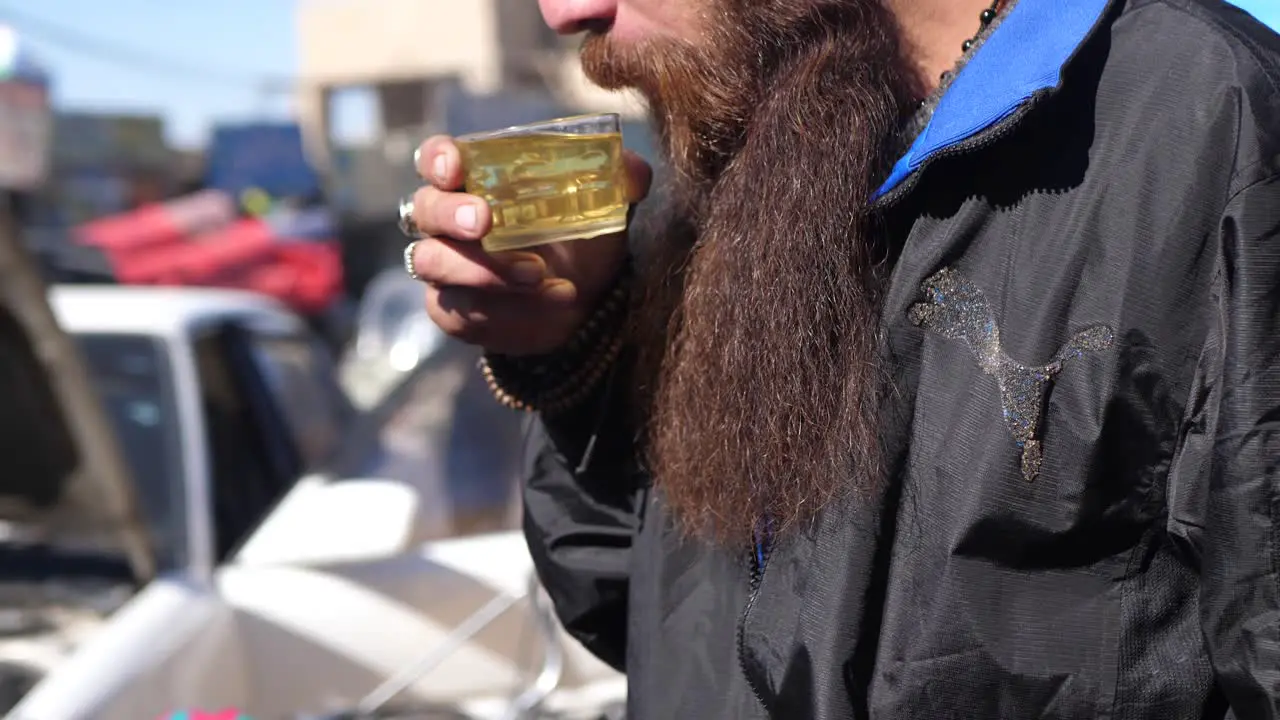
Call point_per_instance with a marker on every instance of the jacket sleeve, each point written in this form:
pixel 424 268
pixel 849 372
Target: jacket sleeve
pixel 1229 463
pixel 580 516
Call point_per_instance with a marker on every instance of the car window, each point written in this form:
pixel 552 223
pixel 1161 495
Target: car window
pixel 253 459
pixel 301 377
pixel 132 374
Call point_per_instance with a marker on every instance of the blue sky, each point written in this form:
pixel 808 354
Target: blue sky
pixel 1268 11
pixel 234 40
pixel 214 49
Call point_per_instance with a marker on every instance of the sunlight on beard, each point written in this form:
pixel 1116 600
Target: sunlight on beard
pixel 760 351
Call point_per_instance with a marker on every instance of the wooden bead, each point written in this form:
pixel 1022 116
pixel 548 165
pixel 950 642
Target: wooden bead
pixel 526 385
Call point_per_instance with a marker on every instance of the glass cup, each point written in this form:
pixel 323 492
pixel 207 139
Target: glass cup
pixel 550 181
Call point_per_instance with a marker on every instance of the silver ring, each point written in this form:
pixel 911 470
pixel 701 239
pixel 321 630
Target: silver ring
pixel 408 259
pixel 407 225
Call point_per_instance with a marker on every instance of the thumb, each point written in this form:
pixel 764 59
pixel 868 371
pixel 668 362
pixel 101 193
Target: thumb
pixel 639 176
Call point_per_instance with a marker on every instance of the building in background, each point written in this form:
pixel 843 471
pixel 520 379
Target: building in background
pixel 66 168
pixel 435 66
pixel 404 48
pixel 25 117
pixel 107 163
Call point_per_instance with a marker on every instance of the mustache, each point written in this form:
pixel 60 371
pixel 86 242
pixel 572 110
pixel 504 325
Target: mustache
pixel 698 94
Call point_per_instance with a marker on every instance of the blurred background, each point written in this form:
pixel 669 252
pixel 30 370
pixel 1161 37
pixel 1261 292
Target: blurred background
pixel 203 308
pixel 215 373
pixel 262 147
pixel 311 103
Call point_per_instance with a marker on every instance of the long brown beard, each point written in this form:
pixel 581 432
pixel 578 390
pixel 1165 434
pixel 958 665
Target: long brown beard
pixel 759 303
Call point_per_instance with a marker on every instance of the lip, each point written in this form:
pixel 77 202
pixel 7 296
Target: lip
pixel 597 27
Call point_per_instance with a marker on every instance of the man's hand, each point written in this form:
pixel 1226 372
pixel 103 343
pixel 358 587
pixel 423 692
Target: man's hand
pixel 524 302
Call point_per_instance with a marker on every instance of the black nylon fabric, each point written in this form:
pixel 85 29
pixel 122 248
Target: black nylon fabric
pixel 1137 576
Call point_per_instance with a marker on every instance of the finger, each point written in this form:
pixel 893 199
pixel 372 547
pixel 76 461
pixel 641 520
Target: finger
pixel 451 317
pixel 639 176
pixel 459 312
pixel 439 162
pixel 438 261
pixel 500 323
pixel 450 214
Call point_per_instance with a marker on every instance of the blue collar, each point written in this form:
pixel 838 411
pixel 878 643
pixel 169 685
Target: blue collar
pixel 1025 54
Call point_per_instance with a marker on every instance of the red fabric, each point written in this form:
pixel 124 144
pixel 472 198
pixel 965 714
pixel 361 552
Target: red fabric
pixel 147 227
pixel 146 248
pixel 201 260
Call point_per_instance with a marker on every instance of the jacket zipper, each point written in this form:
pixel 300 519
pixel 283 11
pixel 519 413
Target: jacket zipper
pixel 759 559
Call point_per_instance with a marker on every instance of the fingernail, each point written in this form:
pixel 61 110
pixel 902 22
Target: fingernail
pixel 560 290
pixel 441 167
pixel 466 217
pixel 528 272
pixel 417 156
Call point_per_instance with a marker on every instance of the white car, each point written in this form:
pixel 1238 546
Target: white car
pixel 342 598
pixel 220 401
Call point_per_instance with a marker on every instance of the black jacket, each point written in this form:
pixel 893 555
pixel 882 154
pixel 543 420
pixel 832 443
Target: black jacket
pixel 1090 233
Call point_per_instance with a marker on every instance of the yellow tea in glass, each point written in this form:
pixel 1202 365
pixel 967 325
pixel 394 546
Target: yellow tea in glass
pixel 549 182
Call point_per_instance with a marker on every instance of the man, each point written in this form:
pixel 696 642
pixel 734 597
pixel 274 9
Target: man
pixel 950 383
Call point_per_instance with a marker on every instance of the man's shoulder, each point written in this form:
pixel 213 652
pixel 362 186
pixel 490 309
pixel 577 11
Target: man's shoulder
pixel 1211 60
pixel 1203 22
